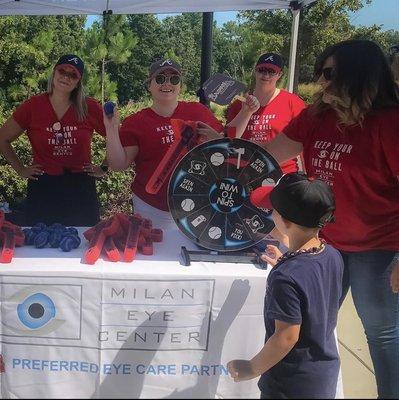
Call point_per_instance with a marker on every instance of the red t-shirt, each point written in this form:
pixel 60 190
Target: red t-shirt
pixel 362 166
pixel 270 120
pixel 153 135
pixel 59 144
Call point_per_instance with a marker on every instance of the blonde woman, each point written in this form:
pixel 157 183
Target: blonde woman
pixel 60 124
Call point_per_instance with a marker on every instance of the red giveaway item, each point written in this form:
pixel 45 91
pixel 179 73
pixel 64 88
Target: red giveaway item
pixel 186 137
pixel 111 250
pixel 132 238
pixel 10 236
pixel 127 234
pixel 8 240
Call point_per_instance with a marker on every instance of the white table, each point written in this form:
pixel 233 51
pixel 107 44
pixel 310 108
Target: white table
pixel 152 328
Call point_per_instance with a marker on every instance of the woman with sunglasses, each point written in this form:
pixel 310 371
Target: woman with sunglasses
pixel 269 109
pixel 60 124
pixel 350 139
pixel 145 136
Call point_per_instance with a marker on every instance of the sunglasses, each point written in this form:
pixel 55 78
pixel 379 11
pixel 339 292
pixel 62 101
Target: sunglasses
pixel 328 73
pixel 267 71
pixel 70 75
pixel 173 79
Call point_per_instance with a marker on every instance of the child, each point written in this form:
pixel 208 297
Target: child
pixel 300 357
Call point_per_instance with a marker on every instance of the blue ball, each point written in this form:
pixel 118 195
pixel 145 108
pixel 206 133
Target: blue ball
pixel 54 239
pixel 68 243
pixel 41 239
pixel 29 236
pixel 73 231
pixel 39 227
pixel 109 108
pixel 56 226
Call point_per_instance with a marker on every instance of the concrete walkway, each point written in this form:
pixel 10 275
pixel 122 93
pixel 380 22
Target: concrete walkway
pixel 357 368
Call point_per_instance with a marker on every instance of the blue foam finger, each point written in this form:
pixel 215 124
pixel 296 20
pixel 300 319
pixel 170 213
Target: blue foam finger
pixel 109 107
pixel 41 239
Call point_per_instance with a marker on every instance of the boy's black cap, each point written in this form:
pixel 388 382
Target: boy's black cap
pixel 303 201
pixel 72 60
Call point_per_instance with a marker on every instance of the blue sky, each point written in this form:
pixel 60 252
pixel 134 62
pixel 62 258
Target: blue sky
pixel 380 12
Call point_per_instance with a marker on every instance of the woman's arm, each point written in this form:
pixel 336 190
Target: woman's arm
pixel 9 132
pixel 282 148
pixel 119 157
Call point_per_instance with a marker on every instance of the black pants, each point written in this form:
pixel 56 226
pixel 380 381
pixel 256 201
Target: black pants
pixel 69 199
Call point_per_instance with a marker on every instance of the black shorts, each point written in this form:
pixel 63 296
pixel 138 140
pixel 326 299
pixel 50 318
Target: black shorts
pixel 69 199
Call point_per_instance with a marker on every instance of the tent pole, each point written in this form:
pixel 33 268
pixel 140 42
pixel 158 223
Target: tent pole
pixel 296 11
pixel 206 51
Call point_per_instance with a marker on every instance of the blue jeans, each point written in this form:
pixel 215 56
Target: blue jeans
pixel 367 274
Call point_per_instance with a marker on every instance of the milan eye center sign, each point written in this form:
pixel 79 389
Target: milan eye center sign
pixel 209 194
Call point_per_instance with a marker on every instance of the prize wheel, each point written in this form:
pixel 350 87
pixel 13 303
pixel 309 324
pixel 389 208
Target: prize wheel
pixel 209 190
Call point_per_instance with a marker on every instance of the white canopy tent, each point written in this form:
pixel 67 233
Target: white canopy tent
pixel 99 7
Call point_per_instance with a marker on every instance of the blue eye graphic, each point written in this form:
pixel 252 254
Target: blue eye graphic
pixel 36 311
pixel 40 310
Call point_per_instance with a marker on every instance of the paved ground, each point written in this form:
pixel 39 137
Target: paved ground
pixel 357 369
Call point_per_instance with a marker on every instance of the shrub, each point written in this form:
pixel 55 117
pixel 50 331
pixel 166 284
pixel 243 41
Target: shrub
pixel 307 91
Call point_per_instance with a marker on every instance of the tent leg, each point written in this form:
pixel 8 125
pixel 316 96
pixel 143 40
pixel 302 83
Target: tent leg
pixel 206 51
pixel 293 48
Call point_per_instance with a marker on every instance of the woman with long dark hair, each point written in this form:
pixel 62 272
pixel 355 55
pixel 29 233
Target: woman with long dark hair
pixel 350 139
pixel 60 124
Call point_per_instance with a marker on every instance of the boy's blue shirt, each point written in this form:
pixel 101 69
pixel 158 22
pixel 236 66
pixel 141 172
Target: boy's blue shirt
pixel 305 290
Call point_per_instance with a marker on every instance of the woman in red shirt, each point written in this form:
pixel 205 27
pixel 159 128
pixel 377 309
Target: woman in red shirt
pixel 269 109
pixel 145 137
pixel 60 126
pixel 350 139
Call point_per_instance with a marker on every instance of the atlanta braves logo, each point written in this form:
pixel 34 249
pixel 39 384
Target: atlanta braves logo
pixel 75 60
pixel 168 62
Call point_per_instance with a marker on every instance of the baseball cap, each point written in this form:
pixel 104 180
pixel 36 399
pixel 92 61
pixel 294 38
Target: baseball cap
pixel 270 60
pixel 73 61
pixel 162 64
pixel 303 201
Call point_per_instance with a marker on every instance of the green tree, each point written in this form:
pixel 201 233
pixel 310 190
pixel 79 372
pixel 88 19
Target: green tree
pixel 107 42
pixel 29 47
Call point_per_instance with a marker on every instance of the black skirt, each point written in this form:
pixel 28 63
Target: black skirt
pixel 69 199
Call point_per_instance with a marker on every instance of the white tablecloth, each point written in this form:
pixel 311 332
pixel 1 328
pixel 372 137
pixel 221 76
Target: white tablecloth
pixel 151 328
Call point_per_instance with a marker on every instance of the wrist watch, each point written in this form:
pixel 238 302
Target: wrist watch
pixel 104 168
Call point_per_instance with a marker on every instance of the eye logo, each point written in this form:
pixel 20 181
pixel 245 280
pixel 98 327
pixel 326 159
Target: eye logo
pixel 35 311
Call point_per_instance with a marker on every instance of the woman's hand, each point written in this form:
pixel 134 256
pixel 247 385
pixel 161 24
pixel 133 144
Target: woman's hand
pixel 206 132
pixel 112 122
pixel 271 255
pixel 395 275
pixel 251 104
pixel 94 170
pixel 31 172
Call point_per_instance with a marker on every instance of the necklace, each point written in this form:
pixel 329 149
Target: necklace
pixel 312 250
